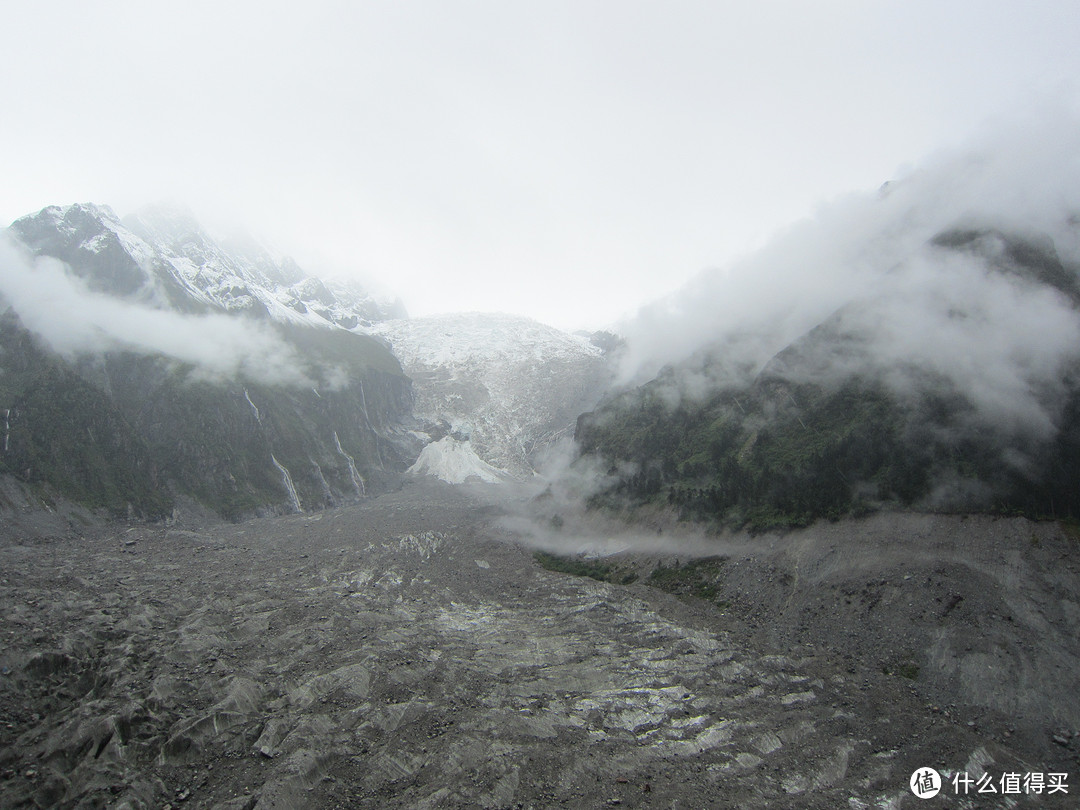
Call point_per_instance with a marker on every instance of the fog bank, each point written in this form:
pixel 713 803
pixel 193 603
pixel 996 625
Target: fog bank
pixel 1022 177
pixel 74 320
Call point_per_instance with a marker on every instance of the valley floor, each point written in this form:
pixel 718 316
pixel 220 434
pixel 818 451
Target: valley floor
pixel 410 652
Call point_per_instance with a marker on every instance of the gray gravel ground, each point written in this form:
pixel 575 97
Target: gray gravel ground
pixel 409 652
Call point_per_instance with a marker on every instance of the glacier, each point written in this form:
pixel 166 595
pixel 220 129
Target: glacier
pixel 455 462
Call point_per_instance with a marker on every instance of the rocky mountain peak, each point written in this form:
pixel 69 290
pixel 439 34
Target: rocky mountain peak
pixel 93 243
pixel 164 257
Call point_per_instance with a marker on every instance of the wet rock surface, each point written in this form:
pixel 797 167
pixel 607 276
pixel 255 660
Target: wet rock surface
pixel 407 652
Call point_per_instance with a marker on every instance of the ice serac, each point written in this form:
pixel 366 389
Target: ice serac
pixel 502 385
pixel 455 462
pixel 164 425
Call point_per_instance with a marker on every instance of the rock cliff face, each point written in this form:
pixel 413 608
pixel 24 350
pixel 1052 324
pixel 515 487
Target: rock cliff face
pixel 139 407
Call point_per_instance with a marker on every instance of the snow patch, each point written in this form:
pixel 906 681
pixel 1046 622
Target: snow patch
pixel 455 462
pixel 468 338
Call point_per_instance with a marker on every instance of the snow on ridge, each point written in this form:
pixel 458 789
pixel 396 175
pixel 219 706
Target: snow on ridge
pixel 141 252
pixel 234 274
pixel 455 462
pixel 470 337
pixel 166 241
pixel 58 213
pixel 136 247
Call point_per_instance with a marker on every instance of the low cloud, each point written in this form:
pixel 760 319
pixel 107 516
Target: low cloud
pixel 1005 342
pixel 869 266
pixel 548 513
pixel 74 320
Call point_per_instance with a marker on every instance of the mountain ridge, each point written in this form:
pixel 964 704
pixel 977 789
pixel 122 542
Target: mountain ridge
pixel 959 391
pixel 155 316
pixel 228 388
pixel 165 258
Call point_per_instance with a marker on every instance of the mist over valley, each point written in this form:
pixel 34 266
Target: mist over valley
pixel 779 539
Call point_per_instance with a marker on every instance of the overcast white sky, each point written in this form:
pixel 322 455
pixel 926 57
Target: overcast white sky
pixel 564 160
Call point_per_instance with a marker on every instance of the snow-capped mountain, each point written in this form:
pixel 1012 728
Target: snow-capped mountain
pixel 164 258
pixel 144 360
pixel 505 384
pixel 234 377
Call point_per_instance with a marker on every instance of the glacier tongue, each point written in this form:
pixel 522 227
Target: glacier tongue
pixel 455 462
pixel 509 384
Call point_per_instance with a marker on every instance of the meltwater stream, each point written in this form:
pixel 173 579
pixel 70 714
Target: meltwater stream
pixel 354 474
pixel 288 484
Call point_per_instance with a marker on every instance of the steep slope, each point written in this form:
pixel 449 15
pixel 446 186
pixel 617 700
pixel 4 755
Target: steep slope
pixel 65 432
pixel 242 274
pixel 507 385
pixel 142 369
pixel 958 390
pixel 164 257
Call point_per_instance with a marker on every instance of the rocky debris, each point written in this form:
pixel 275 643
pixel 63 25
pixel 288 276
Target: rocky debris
pixel 1064 737
pixel 362 657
